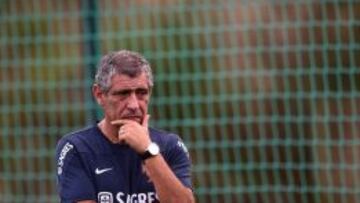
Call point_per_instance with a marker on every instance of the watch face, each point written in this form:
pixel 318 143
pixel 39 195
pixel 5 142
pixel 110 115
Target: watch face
pixel 154 149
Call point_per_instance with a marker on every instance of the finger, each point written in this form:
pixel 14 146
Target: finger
pixel 145 122
pixel 121 122
pixel 121 131
pixel 122 134
pixel 122 140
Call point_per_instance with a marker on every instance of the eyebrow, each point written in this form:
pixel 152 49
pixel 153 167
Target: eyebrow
pixel 130 90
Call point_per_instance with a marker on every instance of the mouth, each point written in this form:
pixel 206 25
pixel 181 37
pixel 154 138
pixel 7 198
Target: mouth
pixel 133 118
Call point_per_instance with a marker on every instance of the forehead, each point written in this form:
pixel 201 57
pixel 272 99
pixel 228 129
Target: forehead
pixel 121 81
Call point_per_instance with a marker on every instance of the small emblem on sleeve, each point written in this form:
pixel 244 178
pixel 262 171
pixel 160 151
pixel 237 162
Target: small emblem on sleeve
pixel 65 150
pixel 182 146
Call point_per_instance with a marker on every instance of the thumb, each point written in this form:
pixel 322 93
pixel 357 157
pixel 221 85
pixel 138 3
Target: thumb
pixel 145 122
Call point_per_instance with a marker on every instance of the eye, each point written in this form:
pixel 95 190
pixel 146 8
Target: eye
pixel 122 93
pixel 142 92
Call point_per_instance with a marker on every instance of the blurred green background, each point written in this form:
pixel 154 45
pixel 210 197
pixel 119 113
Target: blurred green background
pixel 265 94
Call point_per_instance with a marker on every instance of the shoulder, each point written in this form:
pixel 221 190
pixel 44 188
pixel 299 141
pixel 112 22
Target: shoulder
pixel 163 137
pixel 167 140
pixel 79 138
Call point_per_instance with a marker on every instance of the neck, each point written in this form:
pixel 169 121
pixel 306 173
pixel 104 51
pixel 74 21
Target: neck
pixel 109 131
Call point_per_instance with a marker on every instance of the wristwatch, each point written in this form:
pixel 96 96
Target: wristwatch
pixel 151 151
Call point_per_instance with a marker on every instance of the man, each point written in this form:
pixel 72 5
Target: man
pixel 121 159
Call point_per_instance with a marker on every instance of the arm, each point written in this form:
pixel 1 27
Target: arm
pixel 167 185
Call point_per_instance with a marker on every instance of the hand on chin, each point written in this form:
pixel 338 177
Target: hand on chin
pixel 137 119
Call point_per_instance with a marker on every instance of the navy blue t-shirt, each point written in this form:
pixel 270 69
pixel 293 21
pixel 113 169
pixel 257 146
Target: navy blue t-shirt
pixel 90 167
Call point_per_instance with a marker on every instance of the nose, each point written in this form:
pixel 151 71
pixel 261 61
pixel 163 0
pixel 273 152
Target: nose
pixel 132 103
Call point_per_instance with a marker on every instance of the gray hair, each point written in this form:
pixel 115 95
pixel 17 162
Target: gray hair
pixel 123 62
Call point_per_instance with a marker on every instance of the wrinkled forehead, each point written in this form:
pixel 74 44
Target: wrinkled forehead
pixel 124 81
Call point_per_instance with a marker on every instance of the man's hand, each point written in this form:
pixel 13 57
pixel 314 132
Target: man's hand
pixel 134 134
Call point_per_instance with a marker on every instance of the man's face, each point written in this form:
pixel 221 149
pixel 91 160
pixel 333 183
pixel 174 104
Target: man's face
pixel 127 98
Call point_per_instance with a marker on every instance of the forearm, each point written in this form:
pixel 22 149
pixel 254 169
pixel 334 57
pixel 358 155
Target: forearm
pixel 168 187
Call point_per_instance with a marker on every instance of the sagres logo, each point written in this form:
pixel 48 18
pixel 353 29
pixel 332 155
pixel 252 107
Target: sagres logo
pixel 67 147
pixel 105 197
pixel 121 197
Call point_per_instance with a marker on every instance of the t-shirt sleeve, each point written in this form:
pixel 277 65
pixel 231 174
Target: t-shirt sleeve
pixel 177 156
pixel 74 183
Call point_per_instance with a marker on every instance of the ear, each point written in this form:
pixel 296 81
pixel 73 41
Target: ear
pixel 98 94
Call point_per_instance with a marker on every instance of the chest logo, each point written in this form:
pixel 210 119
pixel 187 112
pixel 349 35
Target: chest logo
pixel 101 171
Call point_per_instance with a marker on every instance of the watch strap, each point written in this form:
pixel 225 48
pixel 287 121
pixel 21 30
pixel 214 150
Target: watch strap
pixel 146 155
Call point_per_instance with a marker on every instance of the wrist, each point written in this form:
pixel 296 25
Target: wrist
pixel 151 151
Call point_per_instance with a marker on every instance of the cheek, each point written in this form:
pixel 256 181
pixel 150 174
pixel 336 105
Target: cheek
pixel 144 105
pixel 112 105
pixel 117 105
